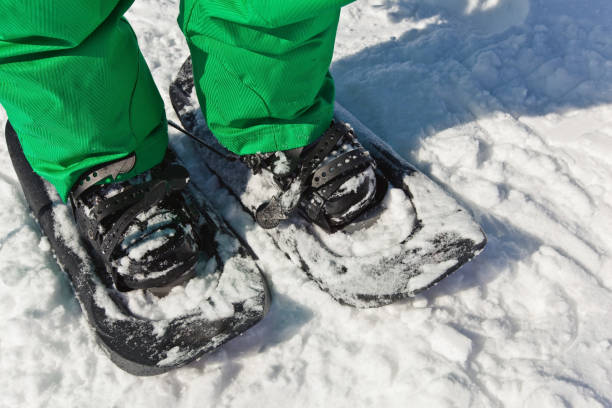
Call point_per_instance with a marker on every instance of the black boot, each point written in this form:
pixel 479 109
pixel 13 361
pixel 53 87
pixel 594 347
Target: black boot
pixel 331 181
pixel 140 228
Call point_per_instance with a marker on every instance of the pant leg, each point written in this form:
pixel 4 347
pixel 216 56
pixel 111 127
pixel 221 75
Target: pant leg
pixel 261 69
pixel 76 87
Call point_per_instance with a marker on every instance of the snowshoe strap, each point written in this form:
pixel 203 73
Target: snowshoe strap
pixel 347 162
pixel 154 193
pixel 127 198
pixel 175 175
pixel 112 170
pixel 175 180
pixel 323 148
pixel 112 237
pixel 133 200
pixel 315 204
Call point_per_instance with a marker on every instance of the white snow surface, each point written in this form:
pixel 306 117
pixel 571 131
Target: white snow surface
pixel 505 103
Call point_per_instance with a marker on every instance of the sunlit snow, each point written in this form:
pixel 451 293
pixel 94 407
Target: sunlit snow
pixel 505 103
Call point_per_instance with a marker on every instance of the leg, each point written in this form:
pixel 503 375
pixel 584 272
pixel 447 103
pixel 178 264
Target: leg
pixel 76 88
pixel 261 72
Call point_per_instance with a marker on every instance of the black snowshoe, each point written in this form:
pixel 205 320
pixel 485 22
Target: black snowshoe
pixel 120 256
pixel 404 235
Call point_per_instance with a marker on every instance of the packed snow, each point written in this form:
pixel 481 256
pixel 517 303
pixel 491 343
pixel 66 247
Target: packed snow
pixel 505 103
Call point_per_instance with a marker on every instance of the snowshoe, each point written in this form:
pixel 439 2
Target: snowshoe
pixel 412 236
pixel 218 293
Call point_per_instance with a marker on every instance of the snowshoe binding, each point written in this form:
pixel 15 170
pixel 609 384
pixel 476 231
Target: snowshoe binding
pixel 331 181
pixel 140 228
pixel 161 278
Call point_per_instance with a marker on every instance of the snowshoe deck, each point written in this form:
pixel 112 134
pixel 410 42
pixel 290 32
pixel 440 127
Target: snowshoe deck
pixel 234 292
pixel 416 237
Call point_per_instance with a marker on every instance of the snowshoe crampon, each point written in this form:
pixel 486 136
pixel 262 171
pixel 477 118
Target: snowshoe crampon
pixel 228 293
pixel 416 235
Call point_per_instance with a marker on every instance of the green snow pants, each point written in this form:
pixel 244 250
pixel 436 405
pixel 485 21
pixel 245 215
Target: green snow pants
pixel 79 93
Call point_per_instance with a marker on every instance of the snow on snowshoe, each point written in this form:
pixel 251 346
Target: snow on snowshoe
pixel 410 236
pixel 148 316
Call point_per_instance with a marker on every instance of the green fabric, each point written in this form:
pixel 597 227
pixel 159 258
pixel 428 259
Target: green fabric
pixel 79 93
pixel 76 88
pixel 261 69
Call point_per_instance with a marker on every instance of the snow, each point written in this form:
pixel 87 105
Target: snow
pixel 154 241
pixel 451 344
pixel 393 225
pixel 210 294
pixel 505 103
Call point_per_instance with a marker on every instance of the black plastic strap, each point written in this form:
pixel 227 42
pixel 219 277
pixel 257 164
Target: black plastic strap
pixel 155 191
pixel 122 200
pixel 323 148
pixel 115 234
pixel 319 197
pixel 343 164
